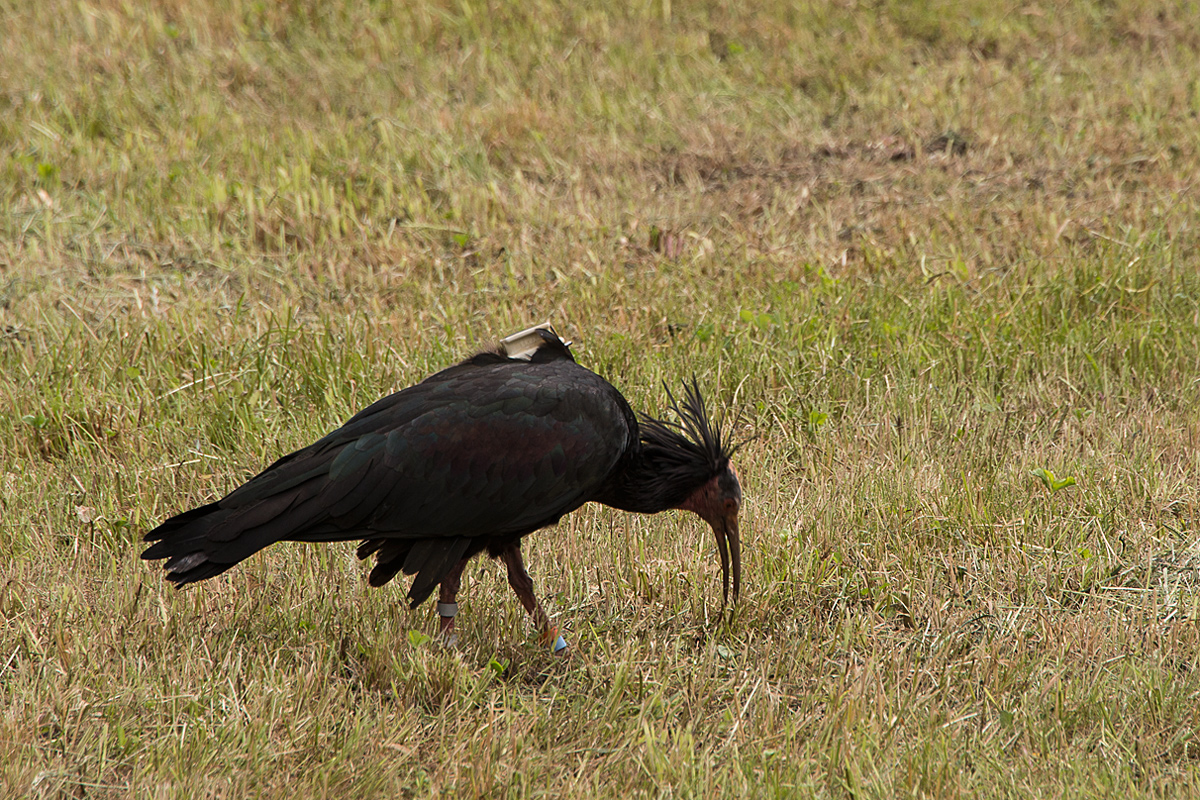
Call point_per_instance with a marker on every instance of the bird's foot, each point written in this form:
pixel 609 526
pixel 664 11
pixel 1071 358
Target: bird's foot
pixel 446 614
pixel 558 645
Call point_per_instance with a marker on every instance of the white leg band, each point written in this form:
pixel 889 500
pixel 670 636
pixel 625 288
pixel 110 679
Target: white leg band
pixel 447 610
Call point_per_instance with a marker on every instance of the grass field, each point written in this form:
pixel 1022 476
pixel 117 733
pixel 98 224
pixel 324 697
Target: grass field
pixel 914 251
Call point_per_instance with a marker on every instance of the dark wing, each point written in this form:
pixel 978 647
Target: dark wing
pixel 487 450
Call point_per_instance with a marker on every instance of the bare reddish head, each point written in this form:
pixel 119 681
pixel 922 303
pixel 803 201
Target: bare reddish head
pixel 718 502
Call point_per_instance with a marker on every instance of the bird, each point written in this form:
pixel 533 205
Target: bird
pixel 469 461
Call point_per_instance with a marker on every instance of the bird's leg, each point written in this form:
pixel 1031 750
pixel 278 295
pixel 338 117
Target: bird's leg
pixel 448 599
pixel 522 584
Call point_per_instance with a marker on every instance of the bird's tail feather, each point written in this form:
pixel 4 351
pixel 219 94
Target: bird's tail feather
pixel 211 539
pixel 208 540
pixel 197 544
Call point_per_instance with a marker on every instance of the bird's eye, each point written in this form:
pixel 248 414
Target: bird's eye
pixel 731 505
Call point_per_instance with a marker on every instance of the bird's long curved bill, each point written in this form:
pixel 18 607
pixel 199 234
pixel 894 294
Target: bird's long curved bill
pixel 727 529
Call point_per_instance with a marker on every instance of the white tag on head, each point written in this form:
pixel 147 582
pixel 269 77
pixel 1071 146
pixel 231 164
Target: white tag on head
pixel 521 346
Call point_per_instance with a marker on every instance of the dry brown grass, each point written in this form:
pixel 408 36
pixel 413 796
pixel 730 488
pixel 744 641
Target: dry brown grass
pixel 922 248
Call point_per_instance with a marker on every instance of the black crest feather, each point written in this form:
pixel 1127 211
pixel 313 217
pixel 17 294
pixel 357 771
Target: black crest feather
pixel 693 444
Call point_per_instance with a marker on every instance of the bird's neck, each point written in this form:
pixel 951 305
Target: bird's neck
pixel 639 487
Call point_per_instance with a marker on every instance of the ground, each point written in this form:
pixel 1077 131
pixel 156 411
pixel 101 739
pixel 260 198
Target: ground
pixel 935 263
